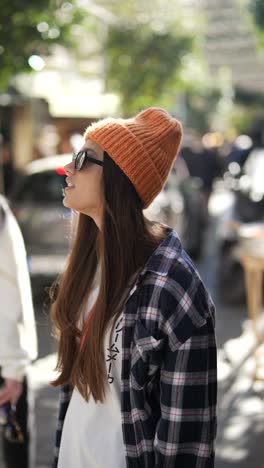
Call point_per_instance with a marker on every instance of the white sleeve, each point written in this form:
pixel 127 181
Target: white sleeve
pixel 18 343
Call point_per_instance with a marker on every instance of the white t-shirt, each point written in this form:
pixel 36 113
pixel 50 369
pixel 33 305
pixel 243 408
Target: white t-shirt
pixel 92 432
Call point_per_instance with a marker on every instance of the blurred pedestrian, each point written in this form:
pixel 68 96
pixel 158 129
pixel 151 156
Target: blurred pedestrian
pixel 8 169
pixel 240 150
pixel 18 344
pixel 134 322
pixel 203 163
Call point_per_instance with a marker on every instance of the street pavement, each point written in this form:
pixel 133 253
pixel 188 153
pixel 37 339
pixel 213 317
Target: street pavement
pixel 240 403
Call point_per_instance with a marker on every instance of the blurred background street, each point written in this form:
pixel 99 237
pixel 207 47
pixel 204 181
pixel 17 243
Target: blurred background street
pixel 65 64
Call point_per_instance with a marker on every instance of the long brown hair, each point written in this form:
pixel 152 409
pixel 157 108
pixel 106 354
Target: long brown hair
pixel 121 247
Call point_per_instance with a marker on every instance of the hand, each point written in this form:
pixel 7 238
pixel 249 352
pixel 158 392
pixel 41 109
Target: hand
pixel 11 391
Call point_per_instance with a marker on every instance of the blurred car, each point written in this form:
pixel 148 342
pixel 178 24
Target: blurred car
pixel 45 223
pixel 247 209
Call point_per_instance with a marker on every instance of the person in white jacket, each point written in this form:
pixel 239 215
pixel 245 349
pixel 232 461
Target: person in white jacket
pixel 18 339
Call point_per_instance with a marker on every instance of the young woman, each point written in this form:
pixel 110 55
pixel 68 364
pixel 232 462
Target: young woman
pixel 135 324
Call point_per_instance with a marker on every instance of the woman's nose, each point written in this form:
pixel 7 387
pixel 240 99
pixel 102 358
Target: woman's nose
pixel 69 167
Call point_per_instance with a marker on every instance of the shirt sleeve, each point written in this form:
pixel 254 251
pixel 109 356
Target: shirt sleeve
pixel 17 332
pixel 187 428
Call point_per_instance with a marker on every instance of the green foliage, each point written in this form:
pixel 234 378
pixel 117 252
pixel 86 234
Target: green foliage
pixel 258 12
pixel 256 9
pixel 143 65
pixel 200 106
pixel 242 118
pixel 30 27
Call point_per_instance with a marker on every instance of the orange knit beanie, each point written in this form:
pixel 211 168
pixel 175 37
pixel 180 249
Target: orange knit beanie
pixel 144 147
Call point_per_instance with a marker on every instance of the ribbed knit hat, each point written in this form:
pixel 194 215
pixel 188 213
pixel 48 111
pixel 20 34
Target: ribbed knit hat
pixel 144 147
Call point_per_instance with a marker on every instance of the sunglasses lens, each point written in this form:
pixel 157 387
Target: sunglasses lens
pixel 80 161
pixel 82 158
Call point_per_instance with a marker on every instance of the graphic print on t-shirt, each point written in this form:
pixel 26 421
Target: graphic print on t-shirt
pixel 113 350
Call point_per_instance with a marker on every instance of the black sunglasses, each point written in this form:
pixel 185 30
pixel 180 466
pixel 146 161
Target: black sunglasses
pixel 82 157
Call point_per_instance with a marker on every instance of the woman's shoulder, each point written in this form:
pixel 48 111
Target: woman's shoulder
pixel 172 294
pixel 170 267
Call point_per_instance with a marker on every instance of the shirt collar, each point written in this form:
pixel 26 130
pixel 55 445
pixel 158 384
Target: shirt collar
pixel 163 256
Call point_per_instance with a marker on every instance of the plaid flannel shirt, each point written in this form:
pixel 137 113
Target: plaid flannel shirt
pixel 169 379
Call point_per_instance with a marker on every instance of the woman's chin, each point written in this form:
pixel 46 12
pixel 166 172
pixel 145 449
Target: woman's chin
pixel 72 206
pixel 66 202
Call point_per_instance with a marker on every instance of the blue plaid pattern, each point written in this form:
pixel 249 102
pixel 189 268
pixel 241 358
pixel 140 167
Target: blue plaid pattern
pixel 169 378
